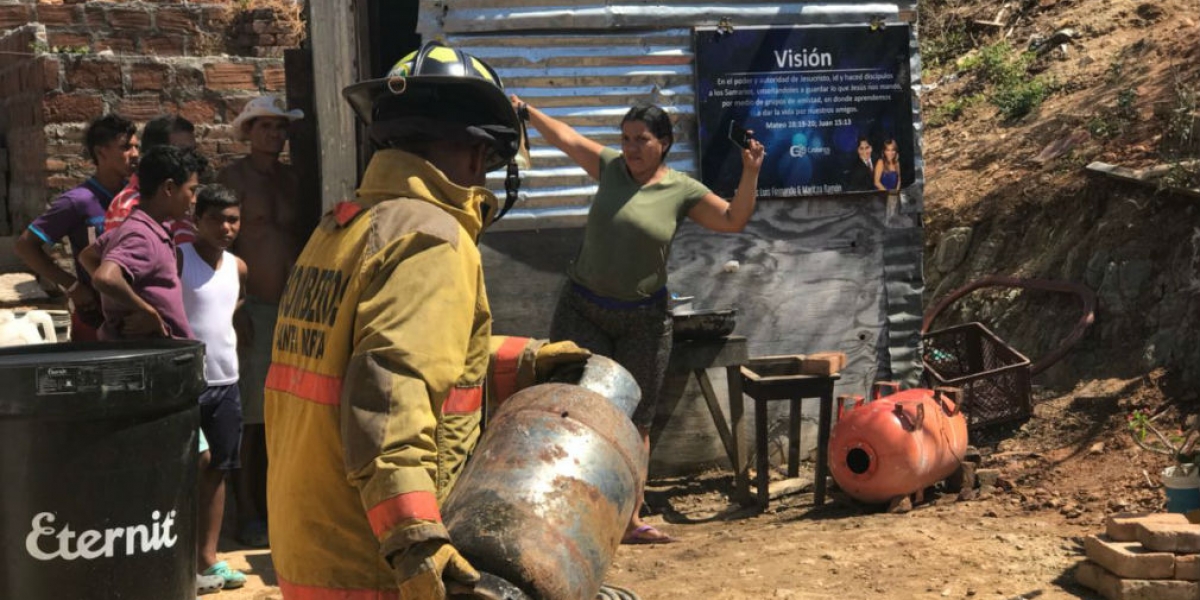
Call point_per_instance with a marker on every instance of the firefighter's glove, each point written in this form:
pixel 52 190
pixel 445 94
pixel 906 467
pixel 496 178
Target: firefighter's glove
pixel 424 570
pixel 554 355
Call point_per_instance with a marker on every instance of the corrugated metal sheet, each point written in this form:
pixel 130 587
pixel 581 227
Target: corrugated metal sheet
pixel 586 63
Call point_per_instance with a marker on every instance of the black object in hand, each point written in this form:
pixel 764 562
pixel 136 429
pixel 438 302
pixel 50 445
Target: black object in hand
pixel 739 135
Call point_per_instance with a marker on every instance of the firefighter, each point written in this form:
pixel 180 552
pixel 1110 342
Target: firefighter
pixel 382 345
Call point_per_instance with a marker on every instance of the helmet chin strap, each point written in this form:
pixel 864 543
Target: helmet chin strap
pixel 512 184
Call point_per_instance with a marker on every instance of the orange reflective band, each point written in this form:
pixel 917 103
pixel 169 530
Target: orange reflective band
pixel 413 505
pixel 463 400
pixel 314 387
pixel 344 212
pixel 504 372
pixel 292 591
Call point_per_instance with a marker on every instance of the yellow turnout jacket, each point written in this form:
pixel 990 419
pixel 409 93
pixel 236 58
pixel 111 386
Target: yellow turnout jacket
pixel 375 388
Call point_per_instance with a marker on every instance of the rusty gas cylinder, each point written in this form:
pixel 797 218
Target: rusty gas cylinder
pixel 898 444
pixel 545 499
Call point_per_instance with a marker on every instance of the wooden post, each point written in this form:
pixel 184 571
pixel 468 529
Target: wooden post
pixel 334 43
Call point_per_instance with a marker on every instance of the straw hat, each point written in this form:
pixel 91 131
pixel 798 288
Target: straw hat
pixel 264 106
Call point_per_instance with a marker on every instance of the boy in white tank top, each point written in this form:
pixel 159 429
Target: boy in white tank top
pixel 214 282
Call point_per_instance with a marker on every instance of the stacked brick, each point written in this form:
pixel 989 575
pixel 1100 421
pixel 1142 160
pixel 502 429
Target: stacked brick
pixel 1144 557
pixel 65 62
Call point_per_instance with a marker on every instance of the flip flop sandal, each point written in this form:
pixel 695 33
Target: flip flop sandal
pixel 209 584
pixel 647 534
pixel 231 578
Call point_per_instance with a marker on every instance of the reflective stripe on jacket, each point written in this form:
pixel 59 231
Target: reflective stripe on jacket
pixel 374 393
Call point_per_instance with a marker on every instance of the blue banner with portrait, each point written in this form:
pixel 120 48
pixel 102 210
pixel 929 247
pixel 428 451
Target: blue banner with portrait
pixel 831 104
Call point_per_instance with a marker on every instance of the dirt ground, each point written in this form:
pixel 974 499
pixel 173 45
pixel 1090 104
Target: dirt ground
pixel 1060 474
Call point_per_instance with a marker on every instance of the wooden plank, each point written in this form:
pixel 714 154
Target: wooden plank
pixel 334 43
pixel 714 408
pixel 1147 177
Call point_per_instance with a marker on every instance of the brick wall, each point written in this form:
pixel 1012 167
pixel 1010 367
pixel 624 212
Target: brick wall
pixel 64 62
pixel 22 110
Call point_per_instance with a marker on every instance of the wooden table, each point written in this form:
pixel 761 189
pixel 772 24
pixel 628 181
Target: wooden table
pixel 695 357
pixel 765 386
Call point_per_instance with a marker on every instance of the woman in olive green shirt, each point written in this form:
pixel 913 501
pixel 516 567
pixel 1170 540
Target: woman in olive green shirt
pixel 615 300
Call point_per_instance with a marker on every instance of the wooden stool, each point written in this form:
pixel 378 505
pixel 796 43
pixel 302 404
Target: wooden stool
pixel 771 378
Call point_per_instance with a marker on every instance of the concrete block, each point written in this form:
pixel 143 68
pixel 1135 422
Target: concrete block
pixel 1169 537
pixel 987 477
pixel 1187 567
pixel 1093 576
pixel 1129 559
pixel 1122 527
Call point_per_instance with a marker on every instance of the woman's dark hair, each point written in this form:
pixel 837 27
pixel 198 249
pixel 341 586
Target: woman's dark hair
pixel 158 131
pixel 215 196
pixel 167 163
pixel 104 130
pixel 656 120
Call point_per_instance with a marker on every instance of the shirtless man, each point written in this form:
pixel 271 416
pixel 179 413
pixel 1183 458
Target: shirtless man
pixel 269 244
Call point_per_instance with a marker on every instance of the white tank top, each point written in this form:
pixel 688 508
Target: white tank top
pixel 210 297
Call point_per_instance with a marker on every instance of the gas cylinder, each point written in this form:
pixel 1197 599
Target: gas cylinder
pixel 545 499
pixel 18 331
pixel 898 444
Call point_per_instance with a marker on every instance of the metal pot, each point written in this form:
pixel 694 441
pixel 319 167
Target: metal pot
pixel 704 324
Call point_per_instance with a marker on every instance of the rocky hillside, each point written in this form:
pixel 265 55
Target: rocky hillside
pixel 1021 97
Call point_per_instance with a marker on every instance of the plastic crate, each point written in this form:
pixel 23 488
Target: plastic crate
pixel 993 376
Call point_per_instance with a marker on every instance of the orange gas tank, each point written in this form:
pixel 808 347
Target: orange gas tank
pixel 898 444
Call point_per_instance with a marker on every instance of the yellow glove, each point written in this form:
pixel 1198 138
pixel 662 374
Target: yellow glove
pixel 421 569
pixel 557 354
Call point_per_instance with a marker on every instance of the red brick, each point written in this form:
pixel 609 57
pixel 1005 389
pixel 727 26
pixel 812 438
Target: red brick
pixel 63 182
pixel 95 15
pixel 69 108
pixel 51 79
pixel 236 104
pixel 1123 527
pixel 57 15
pixel 1091 575
pixel 274 78
pixel 94 75
pixel 66 39
pixel 207 147
pixel 199 111
pixel 55 165
pixel 15 15
pixel 119 43
pixel 140 108
pixel 164 45
pixel 129 18
pixel 147 77
pixel 1128 559
pixel 177 20
pixel 230 76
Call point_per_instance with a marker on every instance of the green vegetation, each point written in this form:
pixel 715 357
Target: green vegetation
pixel 40 47
pixel 1006 71
pixel 950 111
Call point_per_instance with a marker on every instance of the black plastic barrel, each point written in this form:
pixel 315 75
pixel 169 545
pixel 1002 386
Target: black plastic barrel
pixel 98 470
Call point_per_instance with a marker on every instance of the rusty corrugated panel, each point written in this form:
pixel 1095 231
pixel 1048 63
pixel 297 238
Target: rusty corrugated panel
pixel 587 63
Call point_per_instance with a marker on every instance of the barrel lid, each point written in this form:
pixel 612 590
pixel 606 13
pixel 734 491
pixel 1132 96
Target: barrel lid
pixel 90 352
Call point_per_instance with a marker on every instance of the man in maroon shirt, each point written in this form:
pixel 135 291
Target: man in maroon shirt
pixel 136 271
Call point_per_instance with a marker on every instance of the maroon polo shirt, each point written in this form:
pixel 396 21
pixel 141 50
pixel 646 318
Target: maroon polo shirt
pixel 143 249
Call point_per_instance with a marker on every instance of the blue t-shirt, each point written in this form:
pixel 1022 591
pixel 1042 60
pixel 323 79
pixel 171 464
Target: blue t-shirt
pixel 77 215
